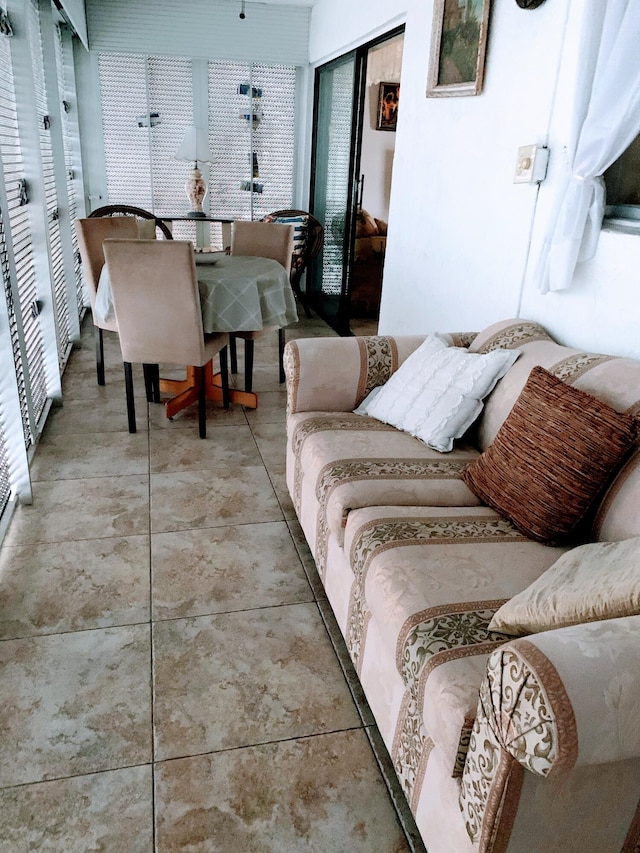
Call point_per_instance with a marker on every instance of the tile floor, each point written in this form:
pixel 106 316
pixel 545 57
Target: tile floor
pixel 170 674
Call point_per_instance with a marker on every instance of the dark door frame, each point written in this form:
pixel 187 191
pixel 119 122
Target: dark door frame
pixel 341 322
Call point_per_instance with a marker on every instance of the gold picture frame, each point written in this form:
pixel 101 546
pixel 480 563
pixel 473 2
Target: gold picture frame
pixel 458 48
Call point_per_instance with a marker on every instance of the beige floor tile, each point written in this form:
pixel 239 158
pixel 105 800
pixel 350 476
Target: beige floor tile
pixel 110 812
pixel 321 794
pixel 63 510
pixel 186 500
pixel 83 385
pixel 72 586
pixel 224 446
pixel 221 569
pixel 271 439
pixel 279 483
pixel 102 454
pixel 243 678
pixel 306 557
pixel 74 703
pixel 271 408
pixel 188 418
pixel 78 416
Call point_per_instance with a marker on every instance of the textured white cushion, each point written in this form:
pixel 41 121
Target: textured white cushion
pixel 597 581
pixel 437 393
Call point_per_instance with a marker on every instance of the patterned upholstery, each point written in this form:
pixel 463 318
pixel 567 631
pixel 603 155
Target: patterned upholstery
pixel 414 570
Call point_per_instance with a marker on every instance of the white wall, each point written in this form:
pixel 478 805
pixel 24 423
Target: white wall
pixel 462 236
pixel 384 64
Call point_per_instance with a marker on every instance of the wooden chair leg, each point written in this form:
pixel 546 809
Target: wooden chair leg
pixel 233 353
pixel 202 403
pixel 99 355
pixel 281 343
pixel 224 377
pixel 248 364
pixel 131 406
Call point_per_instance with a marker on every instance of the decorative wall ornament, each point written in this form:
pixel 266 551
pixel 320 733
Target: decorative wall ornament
pixel 458 47
pixel 388 101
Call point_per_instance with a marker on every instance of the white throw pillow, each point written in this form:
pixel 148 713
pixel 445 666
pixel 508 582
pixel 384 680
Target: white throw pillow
pixel 597 581
pixel 437 393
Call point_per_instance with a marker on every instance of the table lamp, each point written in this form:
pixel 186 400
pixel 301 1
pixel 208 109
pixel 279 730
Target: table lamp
pixel 195 147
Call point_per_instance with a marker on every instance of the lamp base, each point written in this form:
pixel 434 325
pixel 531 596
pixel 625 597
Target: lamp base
pixel 196 190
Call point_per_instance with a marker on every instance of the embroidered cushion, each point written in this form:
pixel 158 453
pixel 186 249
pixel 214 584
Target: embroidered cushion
pixel 551 458
pixel 587 584
pixel 437 393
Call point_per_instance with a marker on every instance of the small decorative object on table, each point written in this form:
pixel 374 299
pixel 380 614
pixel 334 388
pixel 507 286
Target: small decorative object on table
pixel 195 147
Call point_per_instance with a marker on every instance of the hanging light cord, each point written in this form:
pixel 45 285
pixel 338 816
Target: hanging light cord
pixel 242 15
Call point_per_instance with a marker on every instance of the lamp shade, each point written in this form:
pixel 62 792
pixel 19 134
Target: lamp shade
pixel 195 146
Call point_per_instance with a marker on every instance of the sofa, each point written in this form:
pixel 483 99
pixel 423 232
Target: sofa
pixel 522 740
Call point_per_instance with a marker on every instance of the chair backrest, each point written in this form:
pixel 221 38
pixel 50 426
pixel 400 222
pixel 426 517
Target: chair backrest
pixel 263 240
pixel 312 232
pixel 91 235
pixel 156 301
pixel 147 222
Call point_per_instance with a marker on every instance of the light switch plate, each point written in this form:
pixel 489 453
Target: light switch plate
pixel 531 165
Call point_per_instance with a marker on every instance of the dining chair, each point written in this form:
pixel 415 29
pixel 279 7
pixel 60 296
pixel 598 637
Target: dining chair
pixel 157 306
pixel 307 242
pixel 91 234
pixel 149 226
pixel 263 240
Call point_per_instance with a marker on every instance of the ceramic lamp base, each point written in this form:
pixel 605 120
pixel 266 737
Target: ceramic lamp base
pixel 196 189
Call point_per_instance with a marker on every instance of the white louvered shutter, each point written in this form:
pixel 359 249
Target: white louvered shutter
pixel 51 194
pixel 24 323
pixel 70 141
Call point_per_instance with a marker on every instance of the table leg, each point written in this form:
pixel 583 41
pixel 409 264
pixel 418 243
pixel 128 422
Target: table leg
pixel 185 391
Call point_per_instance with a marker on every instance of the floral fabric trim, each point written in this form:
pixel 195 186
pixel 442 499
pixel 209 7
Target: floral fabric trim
pixel 572 368
pixel 322 423
pixel 439 629
pixel 378 361
pixel 515 336
pixel 411 750
pixel 380 535
pixel 463 339
pixel 336 474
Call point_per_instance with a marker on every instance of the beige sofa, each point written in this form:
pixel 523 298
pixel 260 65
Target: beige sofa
pixel 500 744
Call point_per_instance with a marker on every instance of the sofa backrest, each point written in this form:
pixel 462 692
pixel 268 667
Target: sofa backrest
pixel 614 380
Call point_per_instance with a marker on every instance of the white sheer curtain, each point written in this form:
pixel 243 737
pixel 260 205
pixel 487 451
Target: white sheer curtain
pixel 606 120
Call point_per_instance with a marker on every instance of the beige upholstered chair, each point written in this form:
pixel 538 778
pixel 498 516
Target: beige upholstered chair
pixel 91 234
pixel 157 306
pixel 263 240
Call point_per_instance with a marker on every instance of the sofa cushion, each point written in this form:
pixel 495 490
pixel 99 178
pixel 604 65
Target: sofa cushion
pixel 618 516
pixel 351 462
pixel 437 393
pixel 551 458
pixel 589 583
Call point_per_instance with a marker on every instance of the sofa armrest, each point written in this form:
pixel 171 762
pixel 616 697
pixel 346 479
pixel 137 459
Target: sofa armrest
pixel 551 702
pixel 336 374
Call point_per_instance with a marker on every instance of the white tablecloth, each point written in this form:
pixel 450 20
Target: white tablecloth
pixel 237 293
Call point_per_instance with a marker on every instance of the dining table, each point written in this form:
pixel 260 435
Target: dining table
pixel 238 293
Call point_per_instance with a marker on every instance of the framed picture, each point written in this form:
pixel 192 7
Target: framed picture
pixel 458 46
pixel 388 100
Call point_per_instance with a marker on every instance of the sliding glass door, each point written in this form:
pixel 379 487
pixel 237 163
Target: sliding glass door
pixel 337 121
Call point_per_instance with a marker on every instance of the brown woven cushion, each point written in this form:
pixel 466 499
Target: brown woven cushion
pixel 551 458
